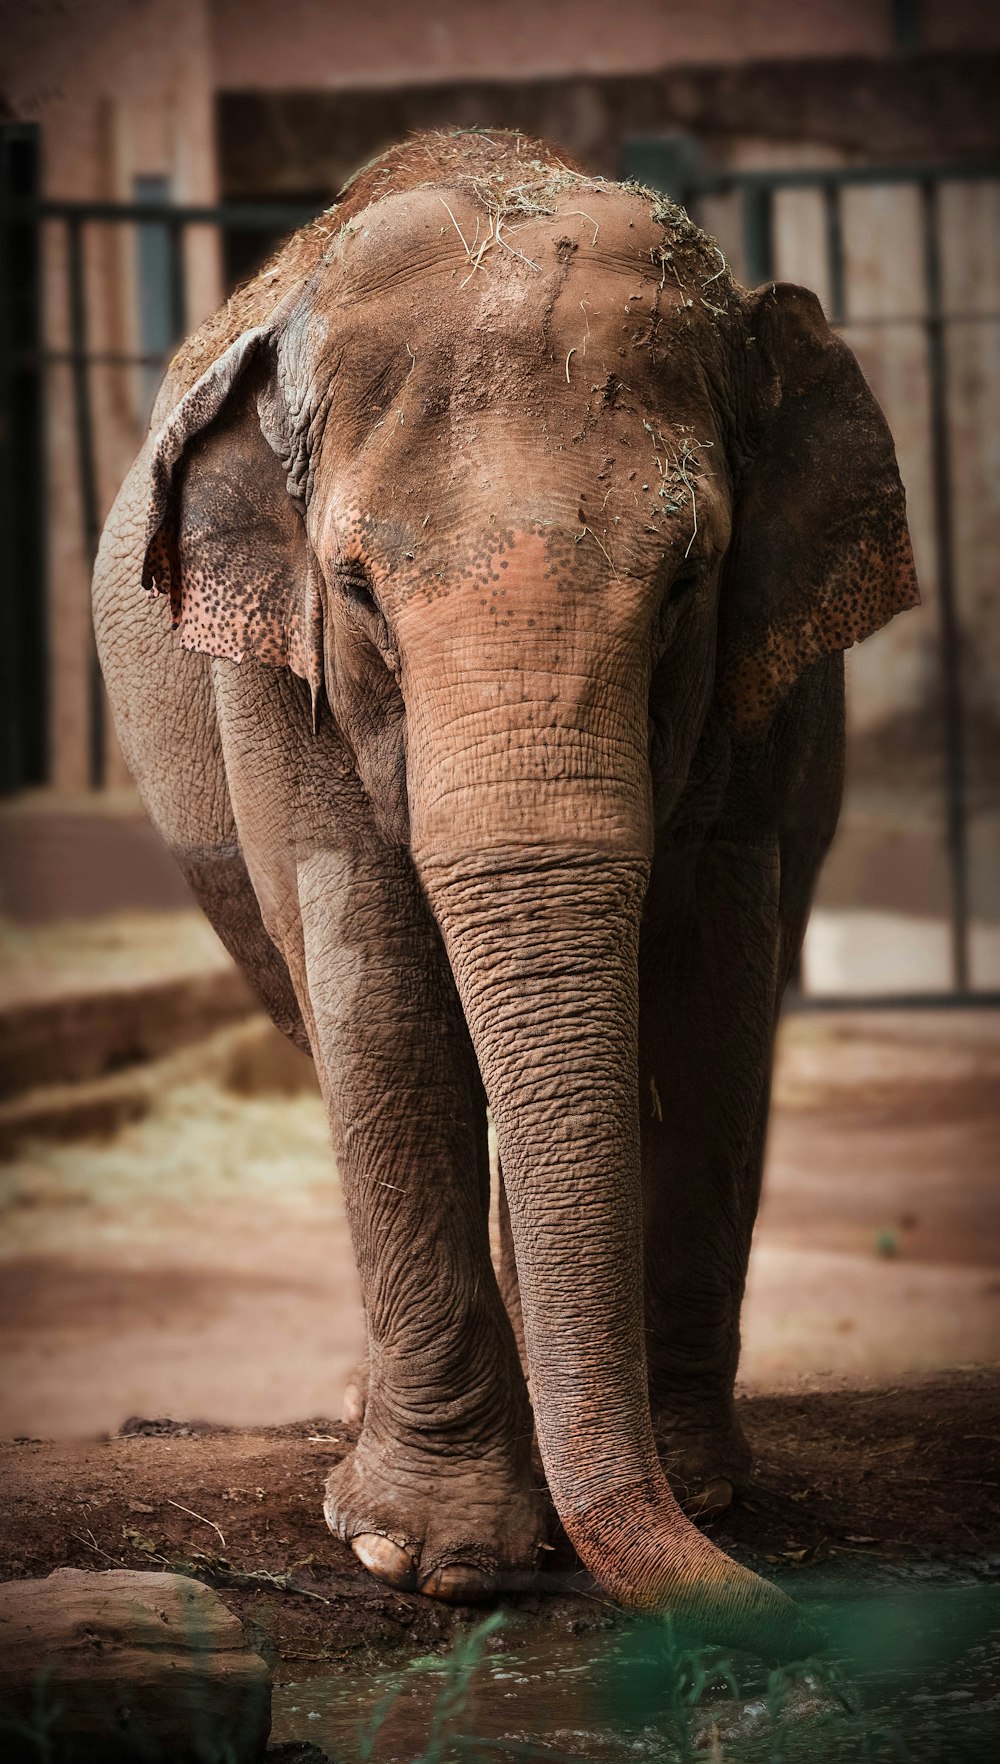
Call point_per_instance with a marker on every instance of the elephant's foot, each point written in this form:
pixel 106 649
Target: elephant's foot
pixel 456 1530
pixel 708 1463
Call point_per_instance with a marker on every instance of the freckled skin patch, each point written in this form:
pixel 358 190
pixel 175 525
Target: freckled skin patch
pixel 752 686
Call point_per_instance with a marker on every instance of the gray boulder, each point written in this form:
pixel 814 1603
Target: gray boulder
pixel 119 1667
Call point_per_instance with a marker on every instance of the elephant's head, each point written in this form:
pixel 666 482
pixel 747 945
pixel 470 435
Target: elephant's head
pixel 526 488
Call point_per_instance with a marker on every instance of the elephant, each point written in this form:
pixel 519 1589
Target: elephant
pixel 473 622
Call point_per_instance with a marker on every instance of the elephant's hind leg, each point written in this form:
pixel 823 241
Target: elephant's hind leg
pixel 507 1273
pixel 724 923
pixel 707 1014
pixel 217 876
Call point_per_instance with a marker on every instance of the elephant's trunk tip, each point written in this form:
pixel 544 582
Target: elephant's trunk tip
pixel 650 1557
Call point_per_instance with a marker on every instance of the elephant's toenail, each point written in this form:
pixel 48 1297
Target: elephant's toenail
pixel 386 1560
pixel 713 1498
pixel 457 1585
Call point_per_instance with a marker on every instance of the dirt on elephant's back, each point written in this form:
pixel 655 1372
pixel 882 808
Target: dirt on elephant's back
pixel 847 1476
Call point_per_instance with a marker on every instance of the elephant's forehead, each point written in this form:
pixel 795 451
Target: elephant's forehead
pixel 462 241
pixel 488 303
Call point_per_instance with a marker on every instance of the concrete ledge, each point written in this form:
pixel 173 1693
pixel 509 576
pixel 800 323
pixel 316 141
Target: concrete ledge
pixel 84 1035
pixel 251 1058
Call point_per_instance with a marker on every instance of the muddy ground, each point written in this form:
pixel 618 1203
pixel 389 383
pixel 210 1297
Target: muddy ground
pixel 855 1478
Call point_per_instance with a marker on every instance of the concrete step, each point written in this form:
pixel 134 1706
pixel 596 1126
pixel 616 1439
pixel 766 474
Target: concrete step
pixel 251 1058
pixel 83 998
pixel 85 1035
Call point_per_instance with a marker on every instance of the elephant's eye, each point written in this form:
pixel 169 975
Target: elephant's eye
pixel 357 584
pixel 681 587
pixel 359 591
pixel 683 582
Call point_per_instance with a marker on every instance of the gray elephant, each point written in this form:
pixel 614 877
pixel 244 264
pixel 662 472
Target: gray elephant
pixel 494 712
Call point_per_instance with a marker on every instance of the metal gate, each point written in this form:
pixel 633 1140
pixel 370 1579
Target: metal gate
pixel 666 165
pixel 672 166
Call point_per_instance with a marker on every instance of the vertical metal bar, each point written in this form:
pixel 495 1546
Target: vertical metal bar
pixel 177 281
pixel 833 226
pixel 758 233
pixel 24 686
pixel 950 634
pixel 835 282
pixel 86 469
pixel 690 201
pixel 10 728
pixel 906 24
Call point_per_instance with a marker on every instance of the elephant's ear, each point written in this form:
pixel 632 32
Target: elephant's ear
pixel 224 538
pixel 820 555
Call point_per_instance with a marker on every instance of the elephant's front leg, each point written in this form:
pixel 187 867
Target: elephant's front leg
pixel 708 992
pixel 438 1492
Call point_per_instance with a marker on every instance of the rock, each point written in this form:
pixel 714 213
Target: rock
pixel 118 1667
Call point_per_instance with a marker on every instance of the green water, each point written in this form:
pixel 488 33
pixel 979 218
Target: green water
pixel 916 1676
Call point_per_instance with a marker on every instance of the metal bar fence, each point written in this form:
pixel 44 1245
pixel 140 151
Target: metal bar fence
pixel 90 511
pixel 24 684
pixel 27 219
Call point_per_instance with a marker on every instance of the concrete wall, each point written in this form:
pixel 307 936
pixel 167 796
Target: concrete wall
pixel 383 43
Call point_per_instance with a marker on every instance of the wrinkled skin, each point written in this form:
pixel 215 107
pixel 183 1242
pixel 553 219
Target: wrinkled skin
pixel 537 543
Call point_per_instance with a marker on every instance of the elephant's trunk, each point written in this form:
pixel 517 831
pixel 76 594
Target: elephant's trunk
pixel 544 950
pixel 531 827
